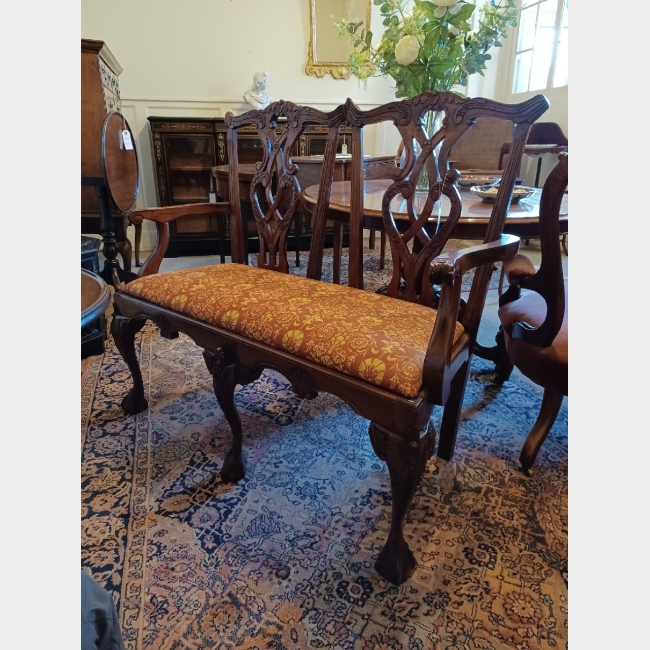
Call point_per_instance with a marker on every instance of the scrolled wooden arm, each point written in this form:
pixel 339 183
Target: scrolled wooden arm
pixel 466 259
pixel 169 213
pixel 162 217
pixel 438 356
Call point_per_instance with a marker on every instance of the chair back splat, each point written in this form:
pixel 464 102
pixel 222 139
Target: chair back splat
pixel 274 190
pixel 414 247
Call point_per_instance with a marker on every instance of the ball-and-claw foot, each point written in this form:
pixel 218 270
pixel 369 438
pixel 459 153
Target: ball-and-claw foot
pixel 396 564
pixel 528 471
pixel 134 403
pixel 234 468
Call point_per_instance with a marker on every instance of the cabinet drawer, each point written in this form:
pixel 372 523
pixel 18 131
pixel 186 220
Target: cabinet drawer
pixel 192 127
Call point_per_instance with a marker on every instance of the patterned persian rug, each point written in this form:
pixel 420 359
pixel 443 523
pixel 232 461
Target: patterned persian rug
pixel 374 277
pixel 285 559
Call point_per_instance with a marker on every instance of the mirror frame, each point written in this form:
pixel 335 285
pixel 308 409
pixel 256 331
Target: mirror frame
pixel 338 69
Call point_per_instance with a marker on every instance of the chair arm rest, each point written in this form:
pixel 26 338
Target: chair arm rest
pixel 162 217
pixel 169 213
pixel 464 260
pixel 447 271
pixel 518 267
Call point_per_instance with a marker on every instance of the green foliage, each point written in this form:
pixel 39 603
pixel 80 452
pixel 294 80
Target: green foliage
pixel 450 51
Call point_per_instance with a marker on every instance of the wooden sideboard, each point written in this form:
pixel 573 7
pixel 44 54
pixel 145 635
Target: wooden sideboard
pixel 185 151
pixel 100 94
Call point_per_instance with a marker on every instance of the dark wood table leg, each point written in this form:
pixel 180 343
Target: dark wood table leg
pixel 382 250
pixel 337 253
pixel 112 270
pixel 371 240
pixel 539 169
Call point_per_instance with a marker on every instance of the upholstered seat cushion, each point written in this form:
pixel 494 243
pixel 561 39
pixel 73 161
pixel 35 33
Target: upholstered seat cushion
pixel 377 339
pixel 547 367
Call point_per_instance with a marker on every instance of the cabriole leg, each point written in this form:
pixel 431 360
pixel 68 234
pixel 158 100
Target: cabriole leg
pixel 502 361
pixel 223 372
pixel 406 460
pixel 123 330
pixel 551 403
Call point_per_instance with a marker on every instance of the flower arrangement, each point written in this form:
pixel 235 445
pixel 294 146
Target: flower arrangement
pixel 431 48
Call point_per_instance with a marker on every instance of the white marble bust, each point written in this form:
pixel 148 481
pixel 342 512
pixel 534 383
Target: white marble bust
pixel 256 96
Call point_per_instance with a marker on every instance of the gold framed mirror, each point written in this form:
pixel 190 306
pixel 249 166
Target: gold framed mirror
pixel 328 53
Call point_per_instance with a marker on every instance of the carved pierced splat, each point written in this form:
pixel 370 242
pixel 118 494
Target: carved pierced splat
pixel 302 383
pixel 413 250
pixel 274 190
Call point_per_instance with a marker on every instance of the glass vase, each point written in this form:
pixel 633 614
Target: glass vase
pixel 432 124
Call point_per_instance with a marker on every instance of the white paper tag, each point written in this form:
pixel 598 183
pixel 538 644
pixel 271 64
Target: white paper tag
pixel 212 197
pixel 126 141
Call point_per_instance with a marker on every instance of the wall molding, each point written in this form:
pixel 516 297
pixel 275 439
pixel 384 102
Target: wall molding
pixel 230 100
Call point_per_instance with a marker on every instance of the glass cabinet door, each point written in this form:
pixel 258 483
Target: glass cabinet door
pixel 189 153
pixel 189 163
pixel 249 149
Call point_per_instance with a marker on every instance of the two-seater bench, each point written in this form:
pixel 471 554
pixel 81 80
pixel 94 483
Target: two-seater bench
pixel 391 357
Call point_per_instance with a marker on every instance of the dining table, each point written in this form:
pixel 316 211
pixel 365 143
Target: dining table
pixel 522 219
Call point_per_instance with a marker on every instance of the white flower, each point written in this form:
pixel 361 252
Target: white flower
pixel 407 50
pixel 443 5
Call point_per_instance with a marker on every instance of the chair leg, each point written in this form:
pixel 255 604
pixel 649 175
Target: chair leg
pixel 502 361
pixel 382 250
pixel 451 413
pixel 406 460
pixel 138 239
pixel 551 403
pixel 124 249
pixel 371 240
pixel 565 246
pixel 123 330
pixel 223 372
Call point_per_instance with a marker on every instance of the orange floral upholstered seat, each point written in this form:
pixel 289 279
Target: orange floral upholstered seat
pixel 372 337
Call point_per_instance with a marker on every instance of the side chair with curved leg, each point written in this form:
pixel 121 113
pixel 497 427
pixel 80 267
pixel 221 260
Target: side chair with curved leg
pixel 535 322
pixel 392 358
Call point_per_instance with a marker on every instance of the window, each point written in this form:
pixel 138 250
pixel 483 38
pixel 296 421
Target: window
pixel 541 57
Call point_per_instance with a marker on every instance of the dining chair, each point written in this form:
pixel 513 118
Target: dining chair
pixel 392 358
pixel 534 316
pixel 544 137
